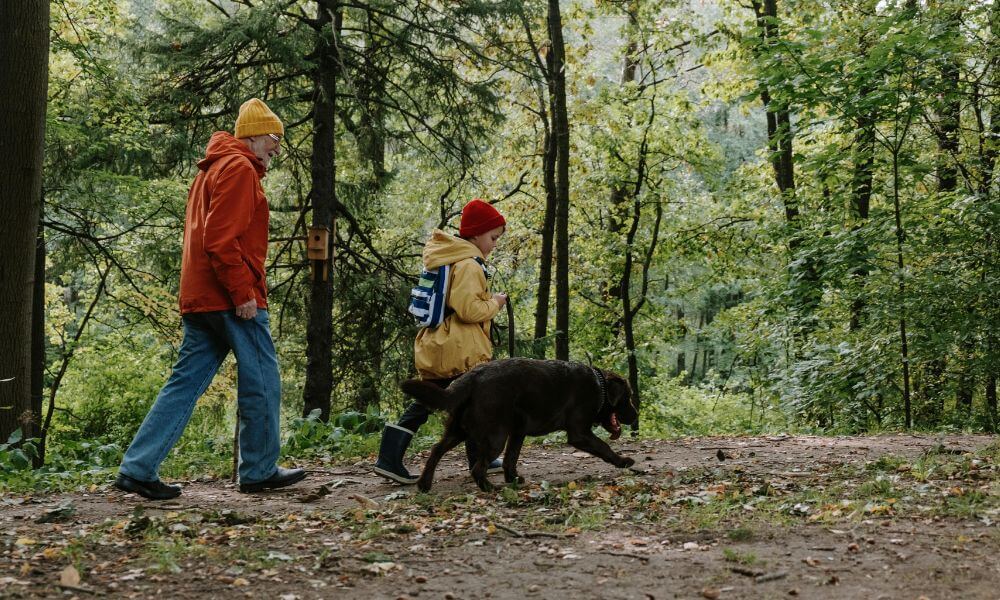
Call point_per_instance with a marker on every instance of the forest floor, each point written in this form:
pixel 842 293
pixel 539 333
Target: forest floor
pixel 892 516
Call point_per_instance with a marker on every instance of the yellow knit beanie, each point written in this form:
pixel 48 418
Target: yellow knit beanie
pixel 257 119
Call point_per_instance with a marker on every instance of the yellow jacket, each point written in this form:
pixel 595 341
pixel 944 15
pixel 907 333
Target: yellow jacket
pixel 462 341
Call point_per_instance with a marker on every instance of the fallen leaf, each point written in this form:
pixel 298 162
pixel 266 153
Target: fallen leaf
pixel 364 501
pixel 69 577
pixel 273 555
pixel 381 568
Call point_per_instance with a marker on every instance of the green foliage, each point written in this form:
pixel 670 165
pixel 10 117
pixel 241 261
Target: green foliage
pixel 17 454
pixel 672 408
pixel 348 434
pixel 69 465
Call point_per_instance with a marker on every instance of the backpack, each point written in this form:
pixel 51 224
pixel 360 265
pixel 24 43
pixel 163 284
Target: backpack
pixel 429 298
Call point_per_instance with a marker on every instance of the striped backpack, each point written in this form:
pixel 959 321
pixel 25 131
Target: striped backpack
pixel 428 299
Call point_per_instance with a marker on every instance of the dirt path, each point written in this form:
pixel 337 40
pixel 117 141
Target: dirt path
pixel 765 517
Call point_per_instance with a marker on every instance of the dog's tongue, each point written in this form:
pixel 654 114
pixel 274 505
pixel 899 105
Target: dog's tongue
pixel 616 429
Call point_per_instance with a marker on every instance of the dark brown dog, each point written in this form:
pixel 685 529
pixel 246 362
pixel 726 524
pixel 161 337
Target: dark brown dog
pixel 502 401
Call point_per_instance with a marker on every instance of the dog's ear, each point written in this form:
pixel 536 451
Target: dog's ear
pixel 618 389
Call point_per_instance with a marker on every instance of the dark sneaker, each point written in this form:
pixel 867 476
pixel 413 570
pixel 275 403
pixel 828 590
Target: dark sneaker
pixel 154 490
pixel 281 478
pixel 495 466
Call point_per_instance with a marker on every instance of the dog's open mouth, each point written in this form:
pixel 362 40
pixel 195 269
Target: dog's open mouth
pixel 613 426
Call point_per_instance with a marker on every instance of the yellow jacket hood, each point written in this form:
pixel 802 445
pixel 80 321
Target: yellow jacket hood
pixel 446 249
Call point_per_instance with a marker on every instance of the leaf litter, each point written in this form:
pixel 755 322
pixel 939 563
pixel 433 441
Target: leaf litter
pixel 825 517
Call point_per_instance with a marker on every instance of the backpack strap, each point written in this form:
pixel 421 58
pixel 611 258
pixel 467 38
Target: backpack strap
pixel 448 310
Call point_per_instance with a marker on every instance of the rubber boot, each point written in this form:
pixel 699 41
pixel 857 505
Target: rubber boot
pixel 395 440
pixel 495 465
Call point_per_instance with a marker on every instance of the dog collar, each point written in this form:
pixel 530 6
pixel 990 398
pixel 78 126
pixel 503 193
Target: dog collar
pixel 601 383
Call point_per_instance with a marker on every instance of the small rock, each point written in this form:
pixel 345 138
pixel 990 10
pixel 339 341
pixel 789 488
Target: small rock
pixel 710 593
pixel 420 579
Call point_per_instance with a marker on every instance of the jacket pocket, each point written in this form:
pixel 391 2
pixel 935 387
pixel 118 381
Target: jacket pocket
pixel 257 275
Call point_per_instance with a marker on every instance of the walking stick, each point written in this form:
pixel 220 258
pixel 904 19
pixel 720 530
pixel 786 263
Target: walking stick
pixel 236 447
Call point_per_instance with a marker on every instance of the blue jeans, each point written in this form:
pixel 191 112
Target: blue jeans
pixel 208 338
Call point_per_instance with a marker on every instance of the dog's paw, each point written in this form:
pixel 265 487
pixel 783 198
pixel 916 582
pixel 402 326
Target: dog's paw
pixel 486 486
pixel 626 462
pixel 423 486
pixel 516 480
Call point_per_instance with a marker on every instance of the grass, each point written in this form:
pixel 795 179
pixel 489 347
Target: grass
pixel 740 558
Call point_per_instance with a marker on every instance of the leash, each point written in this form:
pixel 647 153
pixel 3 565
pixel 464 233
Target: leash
pixel 510 328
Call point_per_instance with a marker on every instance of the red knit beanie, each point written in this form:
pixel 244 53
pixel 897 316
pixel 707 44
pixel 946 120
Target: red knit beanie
pixel 479 217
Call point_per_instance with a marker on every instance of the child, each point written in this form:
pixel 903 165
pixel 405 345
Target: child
pixel 462 341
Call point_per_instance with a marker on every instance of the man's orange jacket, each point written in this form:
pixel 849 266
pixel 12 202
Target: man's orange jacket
pixel 225 230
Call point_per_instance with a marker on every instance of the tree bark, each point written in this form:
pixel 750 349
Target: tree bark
pixel 546 102
pixel 24 46
pixel 991 402
pixel 371 137
pixel 319 359
pixel 548 236
pixel 949 111
pixel 804 277
pixel 560 132
pixel 34 429
pixel 900 237
pixel 861 193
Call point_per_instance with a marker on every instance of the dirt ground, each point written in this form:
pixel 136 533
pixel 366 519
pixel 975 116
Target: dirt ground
pixel 897 516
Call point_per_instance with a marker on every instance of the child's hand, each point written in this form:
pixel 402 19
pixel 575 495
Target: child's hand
pixel 501 299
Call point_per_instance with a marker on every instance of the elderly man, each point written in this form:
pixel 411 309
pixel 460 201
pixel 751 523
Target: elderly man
pixel 223 300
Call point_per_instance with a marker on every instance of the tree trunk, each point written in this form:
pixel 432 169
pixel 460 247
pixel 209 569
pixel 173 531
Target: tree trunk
pixel 34 430
pixel 560 132
pixel 24 46
pixel 548 236
pixel 371 145
pixel 991 402
pixel 319 360
pixel 949 110
pixel 900 237
pixel 546 105
pixel 861 194
pixel 682 354
pixel 619 195
pixel 804 277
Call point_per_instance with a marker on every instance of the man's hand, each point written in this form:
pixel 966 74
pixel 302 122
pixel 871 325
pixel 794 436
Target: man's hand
pixel 247 310
pixel 501 299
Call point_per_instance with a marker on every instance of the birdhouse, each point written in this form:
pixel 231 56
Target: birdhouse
pixel 318 244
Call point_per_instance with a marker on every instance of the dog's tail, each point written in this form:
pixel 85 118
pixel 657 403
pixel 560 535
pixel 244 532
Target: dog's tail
pixel 432 396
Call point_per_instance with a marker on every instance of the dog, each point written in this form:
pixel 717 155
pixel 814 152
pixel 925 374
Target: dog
pixel 503 401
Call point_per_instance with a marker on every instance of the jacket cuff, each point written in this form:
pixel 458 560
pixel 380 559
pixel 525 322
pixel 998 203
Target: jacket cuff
pixel 243 296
